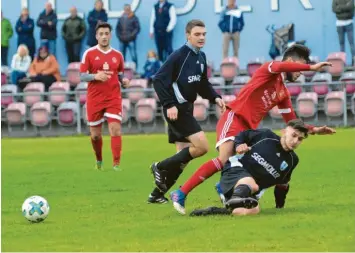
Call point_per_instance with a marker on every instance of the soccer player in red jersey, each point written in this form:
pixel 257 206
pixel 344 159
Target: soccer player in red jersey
pixel 102 66
pixel 265 90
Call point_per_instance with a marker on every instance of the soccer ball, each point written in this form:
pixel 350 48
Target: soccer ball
pixel 35 209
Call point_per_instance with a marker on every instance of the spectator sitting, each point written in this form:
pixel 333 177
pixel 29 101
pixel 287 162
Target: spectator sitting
pixel 44 68
pixel 151 66
pixel 20 64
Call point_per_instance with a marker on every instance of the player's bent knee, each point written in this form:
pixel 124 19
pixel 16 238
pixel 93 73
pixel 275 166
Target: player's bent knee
pixel 115 129
pixel 249 181
pixel 95 137
pixel 245 211
pixel 226 150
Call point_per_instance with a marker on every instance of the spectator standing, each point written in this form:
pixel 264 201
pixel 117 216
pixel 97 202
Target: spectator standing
pixel 98 14
pixel 20 64
pixel 162 23
pixel 73 31
pixel 127 29
pixel 24 28
pixel 47 21
pixel 231 24
pixel 6 34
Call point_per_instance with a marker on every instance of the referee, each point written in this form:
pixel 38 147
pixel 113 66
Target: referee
pixel 177 83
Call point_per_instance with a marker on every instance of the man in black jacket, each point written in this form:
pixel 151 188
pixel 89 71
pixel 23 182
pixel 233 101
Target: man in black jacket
pixel 344 10
pixel 47 20
pixel 127 30
pixel 177 83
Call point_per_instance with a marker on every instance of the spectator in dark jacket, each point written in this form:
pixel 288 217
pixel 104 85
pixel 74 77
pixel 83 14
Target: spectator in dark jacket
pixel 127 30
pixel 24 28
pixel 151 66
pixel 231 24
pixel 73 31
pixel 344 10
pixel 47 20
pixel 98 14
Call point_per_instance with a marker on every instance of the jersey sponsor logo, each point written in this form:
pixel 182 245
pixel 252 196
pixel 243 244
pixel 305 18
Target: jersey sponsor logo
pixel 268 167
pixel 283 166
pixel 106 66
pixel 195 78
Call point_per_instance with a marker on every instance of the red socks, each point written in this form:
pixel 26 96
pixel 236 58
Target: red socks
pixel 200 175
pixel 116 147
pixel 97 146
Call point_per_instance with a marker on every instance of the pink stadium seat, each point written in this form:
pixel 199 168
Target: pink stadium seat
pixel 135 96
pixel 253 65
pixel 349 79
pixel 8 89
pixel 310 74
pixel 73 73
pixel 145 110
pixel 16 114
pixel 274 113
pixel 322 80
pixel 60 88
pixel 67 113
pixel 29 97
pixel 201 107
pixel 226 99
pixel 41 114
pixel 295 89
pixel 307 104
pixel 229 68
pixel 217 82
pixel 81 89
pixel 334 104
pixel 129 70
pixel 338 60
pixel 126 109
pixel 3 78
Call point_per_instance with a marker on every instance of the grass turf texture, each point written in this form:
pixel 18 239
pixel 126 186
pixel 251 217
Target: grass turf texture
pixel 107 211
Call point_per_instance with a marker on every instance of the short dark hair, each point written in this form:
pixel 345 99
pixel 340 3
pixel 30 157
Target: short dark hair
pixel 299 125
pixel 297 51
pixel 103 25
pixel 192 24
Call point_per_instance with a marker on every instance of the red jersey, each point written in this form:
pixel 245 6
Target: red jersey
pixel 112 63
pixel 265 90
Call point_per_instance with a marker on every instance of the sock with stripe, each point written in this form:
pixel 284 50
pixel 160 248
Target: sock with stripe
pixel 200 175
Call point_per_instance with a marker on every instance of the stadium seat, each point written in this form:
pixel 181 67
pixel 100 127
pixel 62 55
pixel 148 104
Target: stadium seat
pixel 8 89
pixel 15 114
pixel 201 107
pixel 3 78
pixel 294 88
pixel 41 114
pixel 145 111
pixel 126 110
pixel 309 74
pixel 306 105
pixel 324 79
pixel 81 89
pixel 129 70
pixel 30 96
pixel 226 99
pixel 334 106
pixel 239 81
pixel 254 64
pixel 58 93
pixel 73 73
pixel 135 96
pixel 338 60
pixel 217 83
pixel 67 113
pixel 349 79
pixel 229 68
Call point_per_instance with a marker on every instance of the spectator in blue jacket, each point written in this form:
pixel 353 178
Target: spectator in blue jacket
pixel 127 30
pixel 98 14
pixel 231 24
pixel 47 20
pixel 24 28
pixel 151 66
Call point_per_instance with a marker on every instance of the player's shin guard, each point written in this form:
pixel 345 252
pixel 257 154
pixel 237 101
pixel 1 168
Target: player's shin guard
pixel 205 171
pixel 176 161
pixel 241 197
pixel 116 146
pixel 242 191
pixel 97 146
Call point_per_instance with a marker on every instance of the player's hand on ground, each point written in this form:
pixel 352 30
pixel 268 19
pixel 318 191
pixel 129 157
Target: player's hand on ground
pixel 172 113
pixel 320 65
pixel 323 130
pixel 221 104
pixel 125 82
pixel 242 148
pixel 101 76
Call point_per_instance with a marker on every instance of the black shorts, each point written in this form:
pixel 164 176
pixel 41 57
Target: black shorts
pixel 184 126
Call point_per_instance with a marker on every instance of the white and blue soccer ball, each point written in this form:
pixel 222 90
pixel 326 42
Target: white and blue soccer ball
pixel 35 209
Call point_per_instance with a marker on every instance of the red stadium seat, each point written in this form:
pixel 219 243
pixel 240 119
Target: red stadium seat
pixel 32 93
pixel 310 74
pixel 3 78
pixel 145 111
pixel 322 80
pixel 135 96
pixel 295 89
pixel 8 89
pixel 73 73
pixel 229 68
pixel 201 107
pixel 67 113
pixel 61 88
pixel 16 114
pixel 226 99
pixel 254 64
pixel 126 110
pixel 41 114
pixel 81 90
pixel 338 60
pixel 334 104
pixel 349 79
pixel 307 104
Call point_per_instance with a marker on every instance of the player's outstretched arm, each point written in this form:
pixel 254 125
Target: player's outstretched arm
pixel 280 193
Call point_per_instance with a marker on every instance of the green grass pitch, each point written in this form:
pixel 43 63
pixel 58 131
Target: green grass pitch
pixel 107 211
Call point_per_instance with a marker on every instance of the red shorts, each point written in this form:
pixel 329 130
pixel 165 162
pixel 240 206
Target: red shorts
pixel 228 126
pixel 97 111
